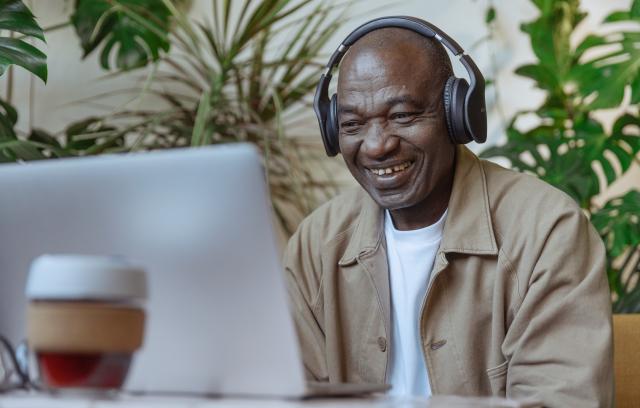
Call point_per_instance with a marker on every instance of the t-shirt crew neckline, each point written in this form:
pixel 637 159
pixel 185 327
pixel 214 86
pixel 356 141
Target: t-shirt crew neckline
pixel 426 235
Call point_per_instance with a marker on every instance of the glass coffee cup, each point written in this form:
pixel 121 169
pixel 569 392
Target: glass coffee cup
pixel 85 319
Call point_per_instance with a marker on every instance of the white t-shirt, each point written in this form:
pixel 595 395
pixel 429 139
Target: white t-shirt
pixel 411 256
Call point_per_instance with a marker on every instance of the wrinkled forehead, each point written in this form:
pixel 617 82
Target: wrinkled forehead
pixel 370 70
pixel 389 49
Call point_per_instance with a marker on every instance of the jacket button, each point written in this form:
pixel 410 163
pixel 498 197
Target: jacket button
pixel 437 344
pixel 382 344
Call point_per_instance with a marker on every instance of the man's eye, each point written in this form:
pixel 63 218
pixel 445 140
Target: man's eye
pixel 402 117
pixel 350 126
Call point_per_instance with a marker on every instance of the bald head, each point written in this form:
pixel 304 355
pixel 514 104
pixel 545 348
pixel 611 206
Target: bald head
pixel 419 54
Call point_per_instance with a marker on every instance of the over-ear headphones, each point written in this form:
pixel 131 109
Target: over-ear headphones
pixel 464 104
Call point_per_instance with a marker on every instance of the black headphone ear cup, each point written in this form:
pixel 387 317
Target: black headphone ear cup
pixel 447 106
pixel 455 94
pixel 332 126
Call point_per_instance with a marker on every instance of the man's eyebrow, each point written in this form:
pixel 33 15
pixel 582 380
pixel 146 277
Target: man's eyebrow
pixel 347 109
pixel 402 99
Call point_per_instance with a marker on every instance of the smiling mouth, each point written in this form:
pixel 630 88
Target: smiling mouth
pixel 387 171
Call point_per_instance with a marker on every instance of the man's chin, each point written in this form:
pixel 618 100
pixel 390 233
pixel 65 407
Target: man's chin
pixel 391 200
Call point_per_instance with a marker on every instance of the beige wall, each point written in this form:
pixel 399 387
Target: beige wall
pixel 71 80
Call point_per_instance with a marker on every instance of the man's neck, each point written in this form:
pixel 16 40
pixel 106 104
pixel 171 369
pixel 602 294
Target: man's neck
pixel 425 213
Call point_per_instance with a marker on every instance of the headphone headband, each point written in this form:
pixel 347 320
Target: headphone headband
pixel 473 113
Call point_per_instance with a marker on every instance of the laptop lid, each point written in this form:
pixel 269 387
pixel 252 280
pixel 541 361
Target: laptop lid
pixel 199 221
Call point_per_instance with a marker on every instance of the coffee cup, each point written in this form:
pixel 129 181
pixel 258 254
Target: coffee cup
pixel 85 319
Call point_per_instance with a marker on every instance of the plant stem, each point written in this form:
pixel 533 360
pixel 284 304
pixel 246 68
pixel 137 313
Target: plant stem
pixel 10 79
pixel 54 27
pixel 57 27
pixel 32 89
pixel 9 84
pixel 632 252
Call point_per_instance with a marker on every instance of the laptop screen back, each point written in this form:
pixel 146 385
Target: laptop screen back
pixel 199 221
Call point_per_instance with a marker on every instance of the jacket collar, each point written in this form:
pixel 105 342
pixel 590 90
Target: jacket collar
pixel 468 228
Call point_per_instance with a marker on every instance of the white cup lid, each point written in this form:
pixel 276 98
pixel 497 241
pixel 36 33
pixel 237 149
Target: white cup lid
pixel 75 277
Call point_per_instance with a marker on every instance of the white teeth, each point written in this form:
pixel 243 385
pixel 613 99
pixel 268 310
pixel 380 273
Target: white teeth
pixel 389 170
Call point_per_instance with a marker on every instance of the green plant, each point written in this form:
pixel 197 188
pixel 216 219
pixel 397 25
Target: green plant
pixel 16 17
pixel 570 147
pixel 136 29
pixel 245 76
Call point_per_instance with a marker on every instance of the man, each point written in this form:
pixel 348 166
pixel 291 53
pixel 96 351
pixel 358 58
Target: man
pixel 444 274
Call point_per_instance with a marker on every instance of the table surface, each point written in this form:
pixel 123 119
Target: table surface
pixel 30 400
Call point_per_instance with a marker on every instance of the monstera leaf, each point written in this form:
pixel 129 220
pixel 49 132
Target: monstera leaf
pixel 11 148
pixel 570 148
pixel 618 222
pixel 91 136
pixel 552 47
pixel 136 31
pixel 8 119
pixel 605 77
pixel 570 155
pixel 16 17
pixel 86 137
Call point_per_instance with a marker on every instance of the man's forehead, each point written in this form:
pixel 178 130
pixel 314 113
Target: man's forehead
pixel 364 64
pixel 373 71
pixel 407 62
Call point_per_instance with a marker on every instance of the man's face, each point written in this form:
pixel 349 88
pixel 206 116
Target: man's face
pixel 393 134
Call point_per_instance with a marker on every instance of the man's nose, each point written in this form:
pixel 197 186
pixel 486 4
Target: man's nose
pixel 379 142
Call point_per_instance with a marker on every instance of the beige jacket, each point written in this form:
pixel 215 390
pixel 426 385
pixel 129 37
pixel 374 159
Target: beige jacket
pixel 518 303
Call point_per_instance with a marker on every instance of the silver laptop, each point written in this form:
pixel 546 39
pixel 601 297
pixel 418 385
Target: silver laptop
pixel 199 220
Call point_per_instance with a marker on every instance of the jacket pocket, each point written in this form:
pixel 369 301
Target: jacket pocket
pixel 498 379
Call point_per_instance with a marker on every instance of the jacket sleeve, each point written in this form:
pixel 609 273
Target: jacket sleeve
pixel 559 344
pixel 303 275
